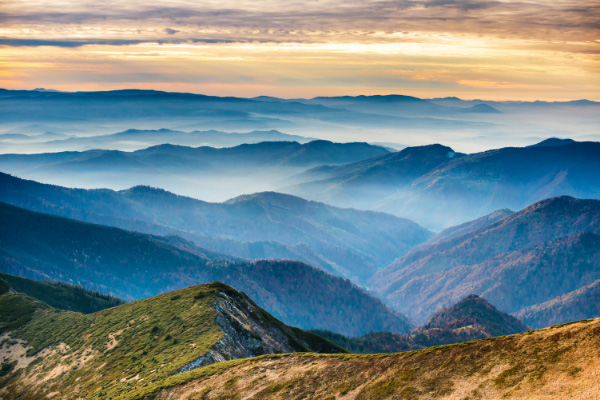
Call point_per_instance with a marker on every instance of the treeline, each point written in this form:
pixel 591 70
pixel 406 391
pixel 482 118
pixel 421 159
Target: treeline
pixel 62 295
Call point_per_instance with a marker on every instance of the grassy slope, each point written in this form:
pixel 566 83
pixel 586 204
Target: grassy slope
pixel 558 362
pixel 62 295
pixel 155 337
pixel 135 345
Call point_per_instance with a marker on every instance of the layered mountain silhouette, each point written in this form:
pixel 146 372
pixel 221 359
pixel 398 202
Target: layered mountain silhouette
pixel 471 318
pixel 135 139
pixel 133 265
pixel 523 260
pixel 169 158
pixel 438 187
pixel 145 340
pixel 397 105
pixel 204 172
pixel 181 111
pixel 346 242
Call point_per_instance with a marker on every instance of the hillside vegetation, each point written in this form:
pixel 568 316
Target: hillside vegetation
pixel 346 242
pixel 133 265
pixel 61 295
pixel 572 306
pixel 108 354
pixel 561 362
pixel 470 319
pixel 540 253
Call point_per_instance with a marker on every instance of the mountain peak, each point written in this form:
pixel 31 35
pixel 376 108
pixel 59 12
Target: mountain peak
pixel 484 109
pixel 553 142
pixel 475 311
pixel 430 150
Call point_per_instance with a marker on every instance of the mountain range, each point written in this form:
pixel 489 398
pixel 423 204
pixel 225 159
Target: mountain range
pixel 349 243
pixel 438 187
pixel 203 341
pixel 521 260
pixel 168 156
pixel 182 111
pixel 432 185
pixel 136 139
pixel 132 266
pixel 209 173
pixel 471 318
pixel 466 125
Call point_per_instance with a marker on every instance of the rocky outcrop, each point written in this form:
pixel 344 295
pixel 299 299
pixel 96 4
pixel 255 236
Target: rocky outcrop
pixel 250 332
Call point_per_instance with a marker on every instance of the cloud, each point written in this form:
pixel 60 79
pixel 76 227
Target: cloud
pixel 302 20
pixel 109 42
pixel 464 5
pixel 476 46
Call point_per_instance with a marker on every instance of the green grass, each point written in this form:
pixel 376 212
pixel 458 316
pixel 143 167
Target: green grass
pixel 158 337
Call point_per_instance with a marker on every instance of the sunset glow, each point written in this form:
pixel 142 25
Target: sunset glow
pixel 467 48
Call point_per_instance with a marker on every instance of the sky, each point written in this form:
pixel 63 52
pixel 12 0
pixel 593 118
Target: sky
pixel 496 50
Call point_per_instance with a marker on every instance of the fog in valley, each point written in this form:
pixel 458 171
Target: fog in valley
pixel 116 140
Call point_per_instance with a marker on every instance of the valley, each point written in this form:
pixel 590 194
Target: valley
pixel 163 245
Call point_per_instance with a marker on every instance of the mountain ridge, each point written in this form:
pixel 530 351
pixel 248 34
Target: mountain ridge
pixel 132 265
pixel 346 242
pixel 505 261
pixel 472 318
pixel 169 334
pixel 454 190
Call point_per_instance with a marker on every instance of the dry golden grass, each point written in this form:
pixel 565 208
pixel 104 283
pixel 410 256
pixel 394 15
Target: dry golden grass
pixel 561 362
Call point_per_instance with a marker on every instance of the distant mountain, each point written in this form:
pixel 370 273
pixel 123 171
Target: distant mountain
pixel 471 318
pixel 168 156
pixel 209 173
pixel 467 227
pixel 396 105
pixel 554 142
pixel 147 109
pixel 482 108
pixel 147 340
pixel 439 188
pixel 560 361
pixel 62 295
pixel 133 266
pixel 516 262
pixel 135 139
pixel 346 242
pixel 395 169
pixel 579 304
pixel 473 311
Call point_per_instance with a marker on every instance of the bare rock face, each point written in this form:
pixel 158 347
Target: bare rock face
pixel 249 332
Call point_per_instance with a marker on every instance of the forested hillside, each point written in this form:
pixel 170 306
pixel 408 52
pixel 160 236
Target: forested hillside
pixel 540 253
pixel 61 295
pixel 345 242
pixel 133 265
pixel 471 318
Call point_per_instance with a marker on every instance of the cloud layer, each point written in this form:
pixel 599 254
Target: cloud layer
pixel 465 46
